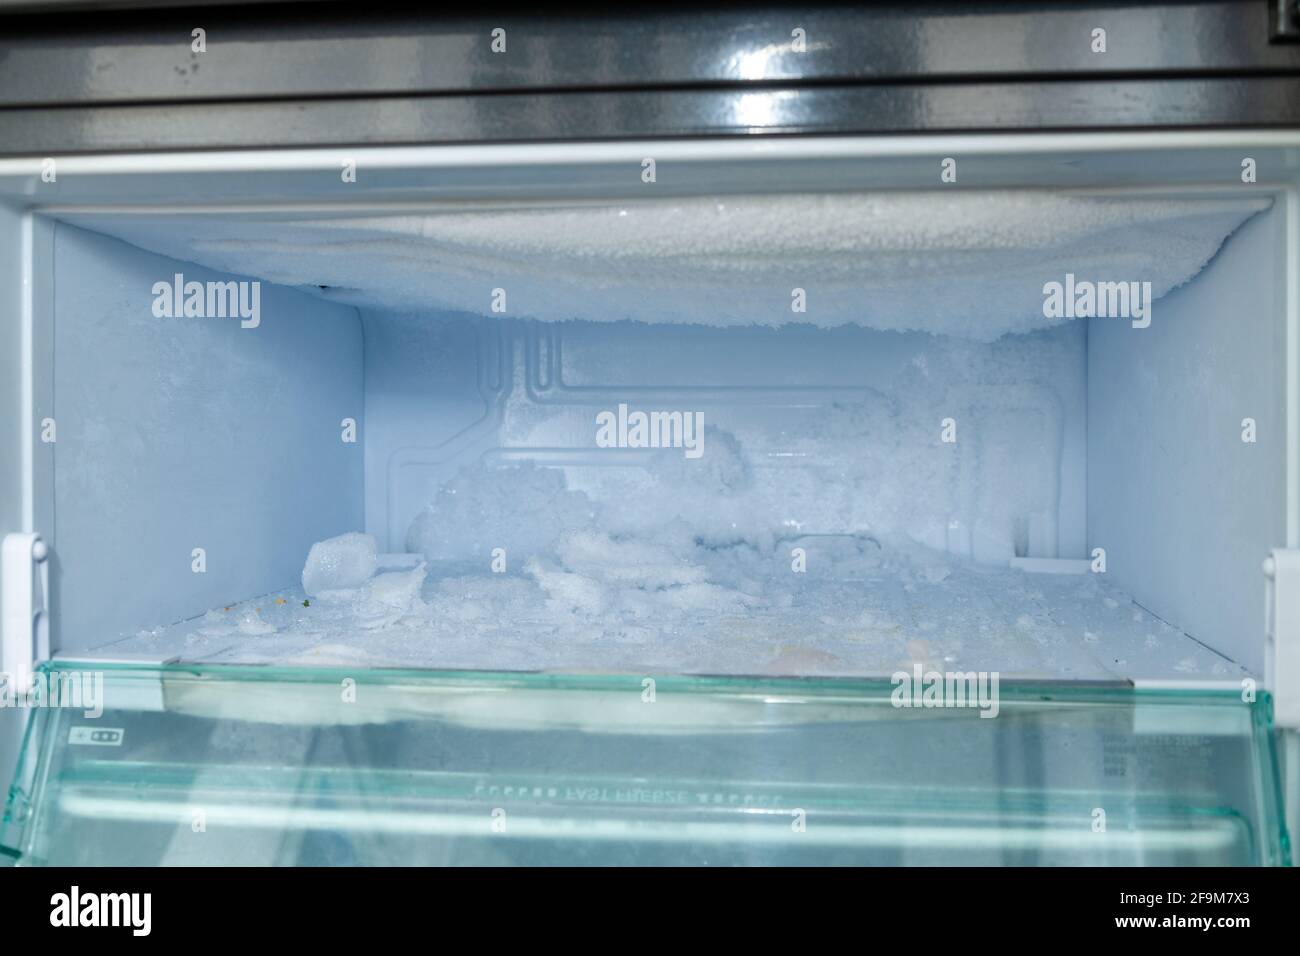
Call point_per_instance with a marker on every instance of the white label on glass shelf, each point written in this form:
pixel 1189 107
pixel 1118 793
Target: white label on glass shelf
pixel 97 736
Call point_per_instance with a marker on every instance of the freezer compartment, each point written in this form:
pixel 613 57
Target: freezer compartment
pixel 1039 433
pixel 913 464
pixel 221 764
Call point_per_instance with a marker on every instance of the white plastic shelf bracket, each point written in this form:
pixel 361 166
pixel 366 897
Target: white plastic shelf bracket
pixel 24 599
pixel 1282 621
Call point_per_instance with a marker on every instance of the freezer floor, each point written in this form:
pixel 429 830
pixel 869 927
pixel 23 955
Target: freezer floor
pixel 931 610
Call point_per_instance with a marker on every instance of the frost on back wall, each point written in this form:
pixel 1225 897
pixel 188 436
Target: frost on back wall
pixel 777 461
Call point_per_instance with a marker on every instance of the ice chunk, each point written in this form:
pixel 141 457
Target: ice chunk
pixel 340 564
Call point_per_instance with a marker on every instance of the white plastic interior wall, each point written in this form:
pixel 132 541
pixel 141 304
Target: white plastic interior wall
pixel 827 432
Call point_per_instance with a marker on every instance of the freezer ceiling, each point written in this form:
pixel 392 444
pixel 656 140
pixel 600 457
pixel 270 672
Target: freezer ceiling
pixel 971 263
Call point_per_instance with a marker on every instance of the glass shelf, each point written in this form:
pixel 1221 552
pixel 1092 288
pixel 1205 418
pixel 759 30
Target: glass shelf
pixel 219 764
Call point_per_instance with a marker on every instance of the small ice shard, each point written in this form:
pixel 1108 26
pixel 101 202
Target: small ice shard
pixel 216 624
pixel 250 622
pixel 397 589
pixel 389 597
pixel 344 563
pixel 566 590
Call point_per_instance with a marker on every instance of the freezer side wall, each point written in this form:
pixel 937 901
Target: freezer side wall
pixel 176 434
pixel 1184 508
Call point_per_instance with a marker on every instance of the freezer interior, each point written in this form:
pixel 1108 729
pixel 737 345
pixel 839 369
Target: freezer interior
pixel 788 435
pixel 620 517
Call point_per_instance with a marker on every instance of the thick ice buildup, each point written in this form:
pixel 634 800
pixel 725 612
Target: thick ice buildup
pixel 883 606
pixel 340 564
pixel 522 510
pixel 860 257
pixel 647 564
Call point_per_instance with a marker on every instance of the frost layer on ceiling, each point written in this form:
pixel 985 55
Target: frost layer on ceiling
pixel 971 264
